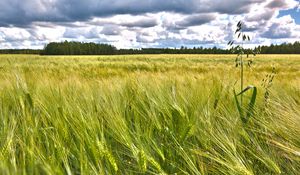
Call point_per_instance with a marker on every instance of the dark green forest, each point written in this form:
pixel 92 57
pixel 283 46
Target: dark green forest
pixel 81 48
pixel 20 51
pixel 286 48
pixel 78 48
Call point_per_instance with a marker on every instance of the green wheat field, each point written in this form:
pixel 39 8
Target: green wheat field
pixel 147 114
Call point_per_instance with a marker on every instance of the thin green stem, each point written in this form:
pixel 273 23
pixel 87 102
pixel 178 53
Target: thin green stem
pixel 242 78
pixel 242 70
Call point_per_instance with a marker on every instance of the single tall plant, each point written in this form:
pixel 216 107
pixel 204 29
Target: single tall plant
pixel 243 57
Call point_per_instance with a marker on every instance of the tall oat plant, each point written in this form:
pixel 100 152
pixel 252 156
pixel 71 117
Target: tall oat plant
pixel 244 56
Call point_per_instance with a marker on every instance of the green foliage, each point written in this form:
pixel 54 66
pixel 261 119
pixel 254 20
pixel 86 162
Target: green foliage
pixel 20 51
pixel 267 83
pixel 284 48
pixel 250 109
pixel 78 48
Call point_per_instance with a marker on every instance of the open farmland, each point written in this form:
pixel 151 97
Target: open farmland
pixel 146 114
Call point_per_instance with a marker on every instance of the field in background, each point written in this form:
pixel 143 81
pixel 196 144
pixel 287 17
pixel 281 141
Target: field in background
pixel 146 114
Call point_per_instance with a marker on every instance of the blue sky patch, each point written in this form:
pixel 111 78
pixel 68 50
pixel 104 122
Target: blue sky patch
pixel 293 12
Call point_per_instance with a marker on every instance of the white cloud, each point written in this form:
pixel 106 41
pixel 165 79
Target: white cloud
pixel 171 24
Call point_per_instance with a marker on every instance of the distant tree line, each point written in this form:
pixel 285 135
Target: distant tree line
pixel 20 51
pixel 80 48
pixel 285 48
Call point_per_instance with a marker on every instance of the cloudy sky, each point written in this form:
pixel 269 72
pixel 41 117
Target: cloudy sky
pixel 146 23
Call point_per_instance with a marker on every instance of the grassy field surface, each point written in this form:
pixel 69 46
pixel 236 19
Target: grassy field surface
pixel 146 114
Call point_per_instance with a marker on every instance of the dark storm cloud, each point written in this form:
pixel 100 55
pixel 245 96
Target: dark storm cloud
pixel 188 21
pixel 173 27
pixel 142 23
pixel 92 34
pixel 148 22
pixel 71 33
pixel 23 13
pixel 111 30
pixel 232 6
pixel 195 20
pixel 13 12
pixel 276 31
pixel 84 9
pixel 277 4
pixel 266 15
pixel 143 39
pixel 250 28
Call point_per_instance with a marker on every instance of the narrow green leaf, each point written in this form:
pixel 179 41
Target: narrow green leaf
pixel 250 108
